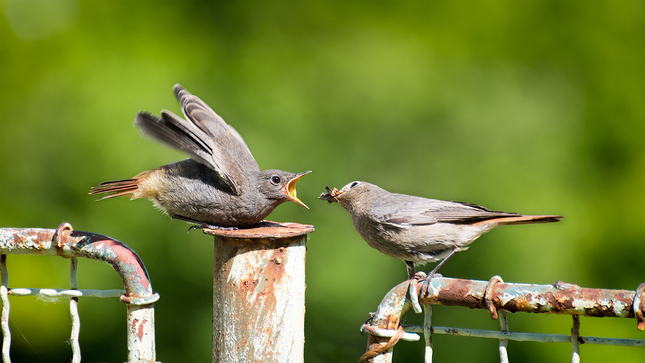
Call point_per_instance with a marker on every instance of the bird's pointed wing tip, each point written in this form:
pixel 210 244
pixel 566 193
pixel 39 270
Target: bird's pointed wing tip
pixel 179 91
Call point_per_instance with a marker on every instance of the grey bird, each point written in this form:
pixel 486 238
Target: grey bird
pixel 220 186
pixel 419 230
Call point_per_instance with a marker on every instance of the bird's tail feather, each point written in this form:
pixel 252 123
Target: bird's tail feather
pixel 115 188
pixel 522 219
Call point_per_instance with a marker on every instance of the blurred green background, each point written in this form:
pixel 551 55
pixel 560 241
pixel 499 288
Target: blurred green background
pixel 532 106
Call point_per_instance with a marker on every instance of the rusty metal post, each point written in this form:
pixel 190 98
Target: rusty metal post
pixel 259 293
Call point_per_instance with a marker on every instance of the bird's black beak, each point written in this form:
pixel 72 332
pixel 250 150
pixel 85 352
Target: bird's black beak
pixel 290 188
pixel 330 196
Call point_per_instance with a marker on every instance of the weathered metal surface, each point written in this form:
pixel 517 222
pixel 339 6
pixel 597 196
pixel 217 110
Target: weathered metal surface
pixel 575 339
pixel 559 298
pixel 638 307
pixel 388 316
pixel 525 337
pixel 141 333
pixel 265 229
pixel 503 343
pixel 49 293
pixel 68 243
pixel 73 311
pixel 6 332
pixel 259 294
pixel 427 334
pixel 37 241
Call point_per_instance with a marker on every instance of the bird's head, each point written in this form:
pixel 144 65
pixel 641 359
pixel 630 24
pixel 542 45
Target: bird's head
pixel 348 194
pixel 281 185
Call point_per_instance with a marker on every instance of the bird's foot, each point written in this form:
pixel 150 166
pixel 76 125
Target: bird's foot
pixel 414 296
pixel 200 224
pixel 265 223
pixel 210 226
pixel 419 276
pixel 426 283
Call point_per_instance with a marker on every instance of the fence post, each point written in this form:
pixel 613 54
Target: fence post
pixel 259 293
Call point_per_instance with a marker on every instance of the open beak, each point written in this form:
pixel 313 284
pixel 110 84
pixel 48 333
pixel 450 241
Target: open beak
pixel 290 188
pixel 330 196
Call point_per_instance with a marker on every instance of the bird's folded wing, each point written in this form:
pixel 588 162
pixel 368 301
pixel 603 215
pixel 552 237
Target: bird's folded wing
pixel 405 210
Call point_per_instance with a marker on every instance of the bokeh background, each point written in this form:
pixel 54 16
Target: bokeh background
pixel 530 106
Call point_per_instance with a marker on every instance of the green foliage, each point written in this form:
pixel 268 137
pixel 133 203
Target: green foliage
pixel 530 106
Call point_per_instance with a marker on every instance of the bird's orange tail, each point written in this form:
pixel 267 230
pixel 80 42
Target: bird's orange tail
pixel 124 187
pixel 521 219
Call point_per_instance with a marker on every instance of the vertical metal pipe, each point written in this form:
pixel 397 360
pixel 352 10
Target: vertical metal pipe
pixel 575 339
pixel 503 343
pixel 6 332
pixel 141 333
pixel 388 316
pixel 73 312
pixel 427 333
pixel 259 293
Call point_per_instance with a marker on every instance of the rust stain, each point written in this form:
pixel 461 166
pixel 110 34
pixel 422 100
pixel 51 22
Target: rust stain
pixel 563 301
pixel 259 290
pixel 265 229
pixel 125 258
pixel 19 240
pixel 460 293
pixel 273 276
pixel 389 322
pixel 140 332
pixel 41 238
pixel 275 270
pixel 247 286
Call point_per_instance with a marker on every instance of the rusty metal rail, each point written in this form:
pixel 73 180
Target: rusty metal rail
pixel 65 242
pixel 495 295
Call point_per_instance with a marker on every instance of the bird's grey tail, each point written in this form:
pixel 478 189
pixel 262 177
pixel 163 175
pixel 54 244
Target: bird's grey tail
pixel 177 133
pixel 522 219
pixel 115 188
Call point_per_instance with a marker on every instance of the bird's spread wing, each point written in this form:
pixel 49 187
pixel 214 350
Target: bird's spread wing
pixel 200 114
pixel 205 137
pixel 404 210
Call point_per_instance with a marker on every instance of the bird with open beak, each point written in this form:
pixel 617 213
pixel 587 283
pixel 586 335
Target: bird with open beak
pixel 419 230
pixel 220 186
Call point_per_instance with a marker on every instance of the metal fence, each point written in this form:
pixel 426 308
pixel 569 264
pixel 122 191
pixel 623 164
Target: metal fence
pixel 385 329
pixel 495 295
pixel 67 243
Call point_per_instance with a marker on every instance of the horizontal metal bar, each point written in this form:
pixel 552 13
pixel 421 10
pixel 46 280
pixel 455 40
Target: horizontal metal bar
pixel 524 337
pixel 388 333
pixel 65 293
pixel 559 298
pixel 494 295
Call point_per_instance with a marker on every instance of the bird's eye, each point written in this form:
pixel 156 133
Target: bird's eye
pixel 275 179
pixel 353 184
